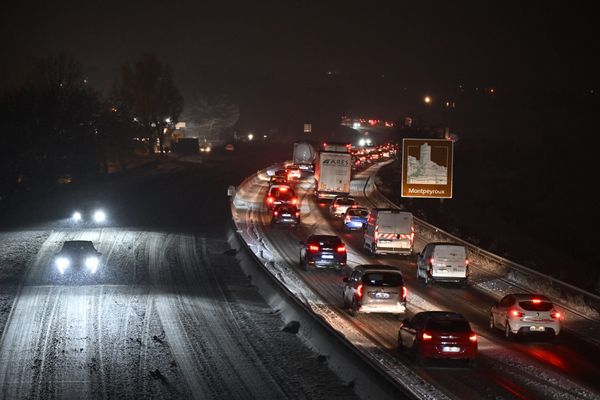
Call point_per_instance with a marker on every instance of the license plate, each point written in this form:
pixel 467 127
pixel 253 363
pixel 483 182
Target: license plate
pixel 448 349
pixel 286 215
pixel 380 295
pixel 537 328
pixel 327 256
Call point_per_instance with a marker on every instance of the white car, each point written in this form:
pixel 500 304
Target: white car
pixel 340 204
pixel 525 314
pixel 77 256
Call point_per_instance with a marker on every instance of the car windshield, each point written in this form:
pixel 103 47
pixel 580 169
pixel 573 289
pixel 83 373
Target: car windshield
pixel 78 246
pixel 448 325
pixel 382 279
pixel 284 195
pixel 325 240
pixel 530 305
pixel 358 213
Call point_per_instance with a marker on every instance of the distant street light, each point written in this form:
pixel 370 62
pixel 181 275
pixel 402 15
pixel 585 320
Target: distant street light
pixel 427 100
pixel 168 120
pixel 250 136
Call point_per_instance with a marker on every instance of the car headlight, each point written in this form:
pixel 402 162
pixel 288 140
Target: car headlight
pixel 62 263
pixel 99 216
pixel 91 263
pixel 76 216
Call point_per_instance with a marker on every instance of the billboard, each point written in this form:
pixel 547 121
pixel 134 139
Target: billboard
pixel 427 166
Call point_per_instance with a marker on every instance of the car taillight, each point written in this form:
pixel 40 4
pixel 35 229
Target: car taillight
pixel 297 213
pixel 270 199
pixel 341 249
pixel 404 292
pixel 516 313
pixel 359 291
pixel 275 213
pixel 556 315
pixel 283 189
pixel 335 206
pixel 313 247
pixel 473 337
pixel 295 200
pixel 431 261
pixel 426 336
pixel 466 262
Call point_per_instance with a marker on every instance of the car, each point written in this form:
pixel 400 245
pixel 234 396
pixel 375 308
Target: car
pixel 389 231
pixel 278 180
pixel 526 314
pixel 374 288
pixel 321 251
pixel 89 215
pixel 280 194
pixel 355 218
pixel 443 262
pixel 438 335
pixel 293 172
pixel 285 214
pixel 229 147
pixel 77 256
pixel 340 204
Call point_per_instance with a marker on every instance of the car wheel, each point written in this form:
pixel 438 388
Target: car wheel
pixel 492 325
pixel 507 332
pixel 373 250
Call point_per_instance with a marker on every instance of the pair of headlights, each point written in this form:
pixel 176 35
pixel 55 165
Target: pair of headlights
pixel 91 263
pixel 99 216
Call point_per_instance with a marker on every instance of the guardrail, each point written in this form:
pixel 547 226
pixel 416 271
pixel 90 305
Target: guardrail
pixel 577 300
pixel 367 378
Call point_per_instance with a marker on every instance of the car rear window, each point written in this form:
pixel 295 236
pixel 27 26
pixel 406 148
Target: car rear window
pixel 382 279
pixel 345 202
pixel 450 252
pixel 531 306
pixel 358 213
pixel 448 325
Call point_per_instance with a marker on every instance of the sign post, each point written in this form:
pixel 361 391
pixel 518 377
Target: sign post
pixel 427 167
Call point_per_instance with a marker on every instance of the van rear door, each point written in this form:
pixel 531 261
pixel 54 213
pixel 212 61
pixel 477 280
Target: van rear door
pixel 450 261
pixel 394 229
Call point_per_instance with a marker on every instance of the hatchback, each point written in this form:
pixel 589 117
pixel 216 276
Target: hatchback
pixel 521 314
pixel 322 251
pixel 355 218
pixel 340 204
pixel 375 289
pixel 438 334
pixel 285 214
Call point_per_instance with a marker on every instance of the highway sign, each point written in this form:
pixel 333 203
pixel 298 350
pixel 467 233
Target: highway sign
pixel 427 166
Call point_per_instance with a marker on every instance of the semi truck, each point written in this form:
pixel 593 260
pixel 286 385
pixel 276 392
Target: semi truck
pixel 304 155
pixel 332 174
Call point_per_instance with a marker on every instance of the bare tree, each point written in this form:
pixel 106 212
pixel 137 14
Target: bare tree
pixel 146 91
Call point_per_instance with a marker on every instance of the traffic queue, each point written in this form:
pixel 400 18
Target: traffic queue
pixel 378 288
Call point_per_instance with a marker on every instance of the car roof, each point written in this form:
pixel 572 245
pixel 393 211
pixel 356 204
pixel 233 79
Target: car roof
pixel 529 296
pixel 378 268
pixel 439 314
pixel 77 242
pixel 444 244
pixel 323 238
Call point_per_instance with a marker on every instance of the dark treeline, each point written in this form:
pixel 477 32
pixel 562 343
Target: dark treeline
pixel 56 127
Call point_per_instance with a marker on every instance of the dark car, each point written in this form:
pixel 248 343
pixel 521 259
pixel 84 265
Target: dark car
pixel 438 335
pixel 355 218
pixel 285 214
pixel 323 251
pixel 77 256
pixel 280 194
pixel 375 289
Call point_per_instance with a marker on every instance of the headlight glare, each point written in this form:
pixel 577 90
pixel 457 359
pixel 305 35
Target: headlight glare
pixel 92 263
pixel 62 263
pixel 76 216
pixel 99 216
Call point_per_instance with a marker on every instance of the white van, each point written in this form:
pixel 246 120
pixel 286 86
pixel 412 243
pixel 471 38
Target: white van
pixel 389 231
pixel 443 262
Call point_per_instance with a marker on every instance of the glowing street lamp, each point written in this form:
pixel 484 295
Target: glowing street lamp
pixel 427 100
pixel 250 136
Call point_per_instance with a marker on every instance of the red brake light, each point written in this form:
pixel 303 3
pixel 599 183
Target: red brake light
pixel 295 200
pixel 431 261
pixel 275 213
pixel 313 247
pixel 556 315
pixel 473 337
pixel 466 262
pixel 404 292
pixel 359 291
pixel 270 199
pixel 536 301
pixel 297 213
pixel 341 249
pixel 426 336
pixel 283 189
pixel 516 313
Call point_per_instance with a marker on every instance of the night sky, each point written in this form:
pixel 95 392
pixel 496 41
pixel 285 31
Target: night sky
pixel 374 50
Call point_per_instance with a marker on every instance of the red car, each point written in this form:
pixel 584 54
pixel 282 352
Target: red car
pixel 439 335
